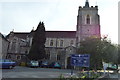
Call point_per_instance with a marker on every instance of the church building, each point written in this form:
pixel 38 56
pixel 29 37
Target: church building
pixel 59 44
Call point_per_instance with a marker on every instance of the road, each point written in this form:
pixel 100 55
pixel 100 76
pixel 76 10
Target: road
pixel 26 72
pixel 114 76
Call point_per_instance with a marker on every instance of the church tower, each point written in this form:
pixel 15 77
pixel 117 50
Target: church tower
pixel 88 22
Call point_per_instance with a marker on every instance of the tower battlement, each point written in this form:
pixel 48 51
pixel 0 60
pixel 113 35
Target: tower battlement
pixel 87 6
pixel 92 7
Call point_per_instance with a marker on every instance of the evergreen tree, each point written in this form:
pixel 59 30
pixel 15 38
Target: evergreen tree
pixel 37 50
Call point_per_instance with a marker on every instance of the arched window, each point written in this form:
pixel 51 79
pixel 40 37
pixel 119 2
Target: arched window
pixel 71 42
pixel 88 19
pixel 58 57
pixel 61 43
pixel 51 43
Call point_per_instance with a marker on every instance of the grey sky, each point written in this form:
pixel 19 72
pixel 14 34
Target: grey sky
pixel 23 15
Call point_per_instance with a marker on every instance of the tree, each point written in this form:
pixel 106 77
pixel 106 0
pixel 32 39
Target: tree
pixel 118 54
pixel 118 59
pixel 37 50
pixel 92 46
pixel 99 50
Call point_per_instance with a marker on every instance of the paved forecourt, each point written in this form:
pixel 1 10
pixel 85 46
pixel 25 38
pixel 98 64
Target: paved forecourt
pixel 25 72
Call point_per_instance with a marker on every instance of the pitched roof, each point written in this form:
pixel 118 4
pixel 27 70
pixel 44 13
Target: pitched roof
pixel 60 34
pixel 1 35
pixel 49 34
pixel 22 35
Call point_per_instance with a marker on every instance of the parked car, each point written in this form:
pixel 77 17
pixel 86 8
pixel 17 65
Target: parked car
pixel 55 65
pixel 7 63
pixel 112 67
pixel 44 64
pixel 33 63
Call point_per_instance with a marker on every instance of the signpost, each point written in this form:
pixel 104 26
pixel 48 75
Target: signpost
pixel 82 60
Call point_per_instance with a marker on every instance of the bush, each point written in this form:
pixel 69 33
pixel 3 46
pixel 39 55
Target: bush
pixel 22 64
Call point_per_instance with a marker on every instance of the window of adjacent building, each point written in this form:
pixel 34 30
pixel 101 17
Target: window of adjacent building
pixel 61 43
pixel 88 19
pixel 51 43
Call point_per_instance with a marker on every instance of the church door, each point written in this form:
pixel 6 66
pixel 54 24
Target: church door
pixel 69 63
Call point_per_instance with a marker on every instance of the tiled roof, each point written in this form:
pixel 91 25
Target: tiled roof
pixel 61 34
pixel 22 35
pixel 49 34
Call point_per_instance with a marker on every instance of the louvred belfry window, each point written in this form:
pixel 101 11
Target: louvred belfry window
pixel 88 19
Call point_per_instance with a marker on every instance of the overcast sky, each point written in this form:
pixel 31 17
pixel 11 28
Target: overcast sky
pixel 60 15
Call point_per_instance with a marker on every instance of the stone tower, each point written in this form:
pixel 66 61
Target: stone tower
pixel 88 22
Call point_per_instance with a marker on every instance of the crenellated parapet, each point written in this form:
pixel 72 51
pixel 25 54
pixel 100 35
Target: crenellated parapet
pixel 90 8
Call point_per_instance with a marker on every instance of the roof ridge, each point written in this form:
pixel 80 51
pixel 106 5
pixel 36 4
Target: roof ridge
pixel 46 31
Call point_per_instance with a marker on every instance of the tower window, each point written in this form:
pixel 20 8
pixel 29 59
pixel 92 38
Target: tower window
pixel 88 19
